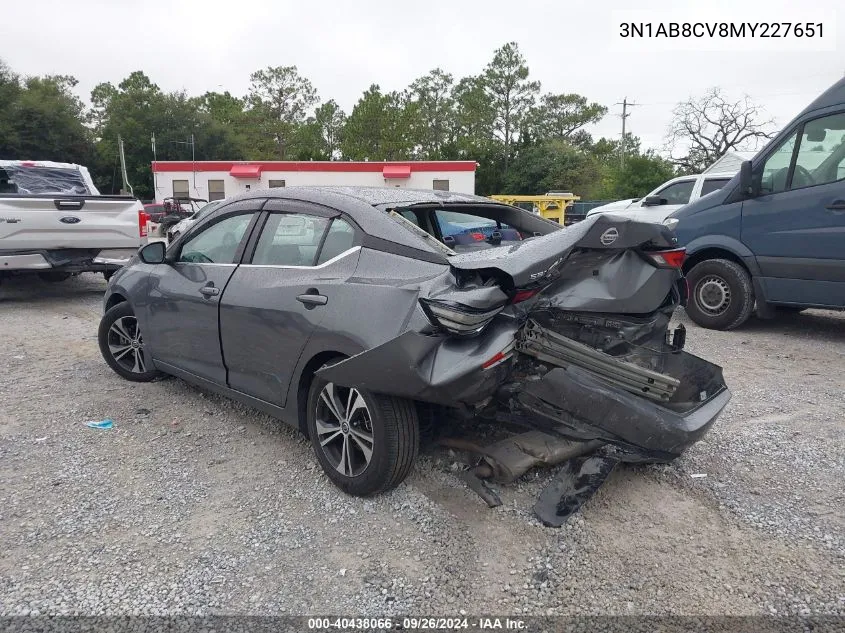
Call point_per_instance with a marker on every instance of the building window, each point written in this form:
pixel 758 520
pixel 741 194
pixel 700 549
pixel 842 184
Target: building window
pixel 180 189
pixel 440 185
pixel 216 190
pixel 275 184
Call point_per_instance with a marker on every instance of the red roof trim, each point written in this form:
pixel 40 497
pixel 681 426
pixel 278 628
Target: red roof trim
pixel 396 171
pixel 245 171
pixel 331 166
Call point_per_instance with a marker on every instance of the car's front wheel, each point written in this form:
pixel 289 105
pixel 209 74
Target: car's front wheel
pixel 366 443
pixel 721 294
pixel 122 344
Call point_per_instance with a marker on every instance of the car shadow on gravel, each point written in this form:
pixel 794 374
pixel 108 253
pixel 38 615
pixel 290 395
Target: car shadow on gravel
pixel 815 324
pixel 27 291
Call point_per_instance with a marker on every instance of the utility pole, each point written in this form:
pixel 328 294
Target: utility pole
pixel 126 184
pixel 625 114
pixel 193 162
pixel 155 160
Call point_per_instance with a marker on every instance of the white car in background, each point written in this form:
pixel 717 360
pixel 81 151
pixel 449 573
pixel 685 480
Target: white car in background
pixel 180 227
pixel 668 197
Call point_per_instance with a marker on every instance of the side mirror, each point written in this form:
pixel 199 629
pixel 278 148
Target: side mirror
pixel 746 183
pixel 153 253
pixel 654 201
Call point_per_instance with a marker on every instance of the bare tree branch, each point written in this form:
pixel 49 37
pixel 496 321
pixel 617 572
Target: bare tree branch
pixel 705 129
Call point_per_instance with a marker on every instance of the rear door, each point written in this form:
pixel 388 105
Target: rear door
pixel 796 226
pixel 293 276
pixel 184 294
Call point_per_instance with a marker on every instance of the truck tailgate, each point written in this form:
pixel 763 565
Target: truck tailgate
pixel 45 222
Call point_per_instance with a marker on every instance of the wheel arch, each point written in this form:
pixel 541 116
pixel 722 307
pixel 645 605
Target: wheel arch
pixel 714 252
pixel 306 376
pixel 114 300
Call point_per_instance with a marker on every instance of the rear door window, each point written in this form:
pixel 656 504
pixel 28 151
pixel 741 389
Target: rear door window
pixel 290 239
pixel 339 239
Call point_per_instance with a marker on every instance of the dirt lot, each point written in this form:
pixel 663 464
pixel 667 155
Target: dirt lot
pixel 195 504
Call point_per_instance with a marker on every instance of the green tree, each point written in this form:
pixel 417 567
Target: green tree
pixel 279 99
pixel 136 109
pixel 378 127
pixel 511 94
pixel 553 165
pixel 561 116
pixel 42 119
pixel 434 110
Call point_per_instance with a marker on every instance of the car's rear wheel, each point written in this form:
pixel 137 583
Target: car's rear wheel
pixel 366 443
pixel 122 345
pixel 721 294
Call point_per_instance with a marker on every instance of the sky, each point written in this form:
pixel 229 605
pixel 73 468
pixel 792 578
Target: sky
pixel 343 47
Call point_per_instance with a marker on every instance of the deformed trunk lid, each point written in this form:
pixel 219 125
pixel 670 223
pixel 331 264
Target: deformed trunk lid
pixel 540 258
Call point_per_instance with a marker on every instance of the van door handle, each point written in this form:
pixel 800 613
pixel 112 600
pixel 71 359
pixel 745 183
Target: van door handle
pixel 210 291
pixel 836 205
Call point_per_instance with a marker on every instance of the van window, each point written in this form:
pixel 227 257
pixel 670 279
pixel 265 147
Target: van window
pixel 776 167
pixel 821 152
pixel 678 192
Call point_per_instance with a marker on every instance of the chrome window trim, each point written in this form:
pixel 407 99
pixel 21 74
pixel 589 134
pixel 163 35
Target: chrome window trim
pixel 329 262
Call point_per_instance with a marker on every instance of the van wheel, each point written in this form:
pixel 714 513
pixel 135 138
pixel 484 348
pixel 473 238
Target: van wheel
pixel 721 294
pixel 365 442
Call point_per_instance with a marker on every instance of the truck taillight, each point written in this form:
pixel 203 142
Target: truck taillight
pixel 143 218
pixel 668 259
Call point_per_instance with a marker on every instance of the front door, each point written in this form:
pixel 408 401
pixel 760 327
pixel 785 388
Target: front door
pixel 281 293
pixel 796 226
pixel 185 293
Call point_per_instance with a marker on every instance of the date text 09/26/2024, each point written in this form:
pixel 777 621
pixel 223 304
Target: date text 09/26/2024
pixel 415 624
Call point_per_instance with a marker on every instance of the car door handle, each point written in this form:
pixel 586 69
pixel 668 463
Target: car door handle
pixel 836 205
pixel 210 291
pixel 313 300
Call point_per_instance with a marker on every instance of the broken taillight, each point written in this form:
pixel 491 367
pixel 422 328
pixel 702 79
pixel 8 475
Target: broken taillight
pixel 524 295
pixel 457 318
pixel 667 259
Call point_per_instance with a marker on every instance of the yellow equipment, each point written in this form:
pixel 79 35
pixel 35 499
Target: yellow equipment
pixel 551 207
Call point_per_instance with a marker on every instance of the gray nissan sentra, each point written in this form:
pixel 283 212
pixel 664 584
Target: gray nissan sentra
pixel 350 313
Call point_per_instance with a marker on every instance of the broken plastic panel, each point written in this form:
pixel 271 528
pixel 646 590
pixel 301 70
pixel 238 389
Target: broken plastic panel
pixel 37 179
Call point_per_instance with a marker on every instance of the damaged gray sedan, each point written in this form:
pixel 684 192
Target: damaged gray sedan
pixel 356 313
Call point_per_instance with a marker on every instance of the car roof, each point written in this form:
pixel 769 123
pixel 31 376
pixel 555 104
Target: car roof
pixel 364 205
pixel 373 196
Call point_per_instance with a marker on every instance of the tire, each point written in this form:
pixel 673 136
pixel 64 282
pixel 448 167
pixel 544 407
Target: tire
pixel 121 345
pixel 390 422
pixel 721 294
pixel 54 276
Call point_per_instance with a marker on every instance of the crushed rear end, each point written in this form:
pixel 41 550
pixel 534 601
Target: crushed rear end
pixel 566 335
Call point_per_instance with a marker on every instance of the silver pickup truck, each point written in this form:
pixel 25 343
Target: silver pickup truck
pixel 54 222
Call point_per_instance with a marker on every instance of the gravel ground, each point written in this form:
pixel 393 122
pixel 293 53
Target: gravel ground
pixel 195 504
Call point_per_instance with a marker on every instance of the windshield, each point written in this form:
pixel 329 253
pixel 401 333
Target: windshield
pixel 40 180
